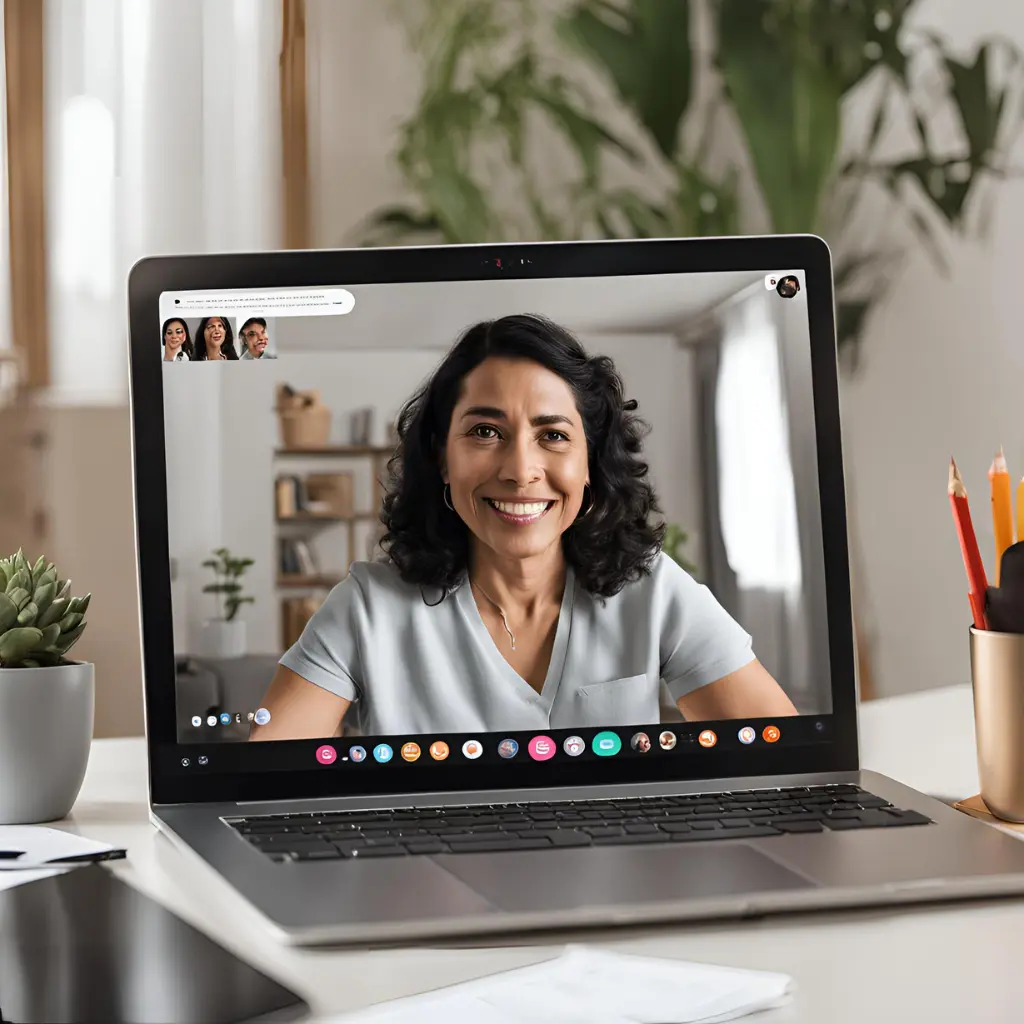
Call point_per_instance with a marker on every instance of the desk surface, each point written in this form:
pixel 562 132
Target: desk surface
pixel 934 964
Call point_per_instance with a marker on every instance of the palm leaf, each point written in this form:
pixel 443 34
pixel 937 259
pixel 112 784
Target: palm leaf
pixel 644 48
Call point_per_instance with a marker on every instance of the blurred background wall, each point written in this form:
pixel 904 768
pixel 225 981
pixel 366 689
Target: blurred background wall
pixel 163 129
pixel 941 358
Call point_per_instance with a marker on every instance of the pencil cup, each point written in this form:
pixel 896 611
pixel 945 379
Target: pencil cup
pixel 997 676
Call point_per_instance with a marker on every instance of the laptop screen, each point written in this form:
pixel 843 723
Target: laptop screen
pixel 504 522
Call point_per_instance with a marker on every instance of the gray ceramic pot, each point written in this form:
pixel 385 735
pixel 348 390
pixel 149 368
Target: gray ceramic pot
pixel 46 720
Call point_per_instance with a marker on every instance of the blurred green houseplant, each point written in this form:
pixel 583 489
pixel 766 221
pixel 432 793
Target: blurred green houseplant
pixel 228 572
pixel 787 75
pixel 673 544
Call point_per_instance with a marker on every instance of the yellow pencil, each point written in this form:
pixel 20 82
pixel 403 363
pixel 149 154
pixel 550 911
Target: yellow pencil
pixel 1020 510
pixel 1002 507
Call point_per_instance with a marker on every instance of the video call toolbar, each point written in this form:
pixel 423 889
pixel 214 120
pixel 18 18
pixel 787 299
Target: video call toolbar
pixel 637 741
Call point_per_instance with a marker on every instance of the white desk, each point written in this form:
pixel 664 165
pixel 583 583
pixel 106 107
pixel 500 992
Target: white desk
pixel 930 964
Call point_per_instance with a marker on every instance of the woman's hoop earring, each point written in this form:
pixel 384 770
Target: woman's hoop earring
pixel 584 515
pixel 446 493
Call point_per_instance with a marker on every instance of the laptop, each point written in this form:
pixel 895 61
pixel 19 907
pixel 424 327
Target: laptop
pixel 339 720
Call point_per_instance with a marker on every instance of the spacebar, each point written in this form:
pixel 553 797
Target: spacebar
pixel 495 843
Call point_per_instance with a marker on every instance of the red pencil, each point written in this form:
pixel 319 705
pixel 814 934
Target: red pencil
pixel 976 580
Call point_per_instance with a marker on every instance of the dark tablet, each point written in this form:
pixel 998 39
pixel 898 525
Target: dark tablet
pixel 85 947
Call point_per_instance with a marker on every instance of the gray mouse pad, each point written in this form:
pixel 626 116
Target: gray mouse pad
pixel 566 879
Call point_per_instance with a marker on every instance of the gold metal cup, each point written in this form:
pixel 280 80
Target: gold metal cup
pixel 997 677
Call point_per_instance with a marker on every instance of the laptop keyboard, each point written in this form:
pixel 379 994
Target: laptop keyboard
pixel 488 828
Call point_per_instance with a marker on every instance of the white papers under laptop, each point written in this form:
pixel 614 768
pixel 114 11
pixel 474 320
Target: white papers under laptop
pixel 592 986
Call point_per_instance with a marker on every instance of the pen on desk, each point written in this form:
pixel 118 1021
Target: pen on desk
pixel 10 859
pixel 90 858
pixel 1002 507
pixel 977 582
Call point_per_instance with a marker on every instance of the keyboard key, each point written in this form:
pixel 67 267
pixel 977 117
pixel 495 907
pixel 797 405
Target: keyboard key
pixel 603 831
pixel 379 851
pixel 425 847
pixel 349 849
pixel 906 817
pixel 296 842
pixel 563 836
pixel 843 824
pixel 787 825
pixel 632 840
pixel 754 832
pixel 506 843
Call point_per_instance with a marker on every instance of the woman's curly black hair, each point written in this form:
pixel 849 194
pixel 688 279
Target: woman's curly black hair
pixel 612 545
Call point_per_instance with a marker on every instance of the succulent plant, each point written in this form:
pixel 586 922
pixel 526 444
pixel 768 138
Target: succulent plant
pixel 39 619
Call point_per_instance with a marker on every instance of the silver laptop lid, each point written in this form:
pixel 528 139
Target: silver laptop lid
pixel 330 447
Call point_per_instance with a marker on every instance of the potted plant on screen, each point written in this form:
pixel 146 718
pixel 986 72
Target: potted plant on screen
pixel 46 699
pixel 224 635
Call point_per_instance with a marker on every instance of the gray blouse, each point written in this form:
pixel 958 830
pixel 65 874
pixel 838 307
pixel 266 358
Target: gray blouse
pixel 410 667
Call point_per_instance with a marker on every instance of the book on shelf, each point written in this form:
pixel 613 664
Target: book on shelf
pixel 296 558
pixel 290 496
pixel 319 494
pixel 285 503
pixel 307 563
pixel 287 561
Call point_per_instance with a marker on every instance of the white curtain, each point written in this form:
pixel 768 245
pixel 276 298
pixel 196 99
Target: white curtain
pixel 757 492
pixel 163 135
pixel 758 497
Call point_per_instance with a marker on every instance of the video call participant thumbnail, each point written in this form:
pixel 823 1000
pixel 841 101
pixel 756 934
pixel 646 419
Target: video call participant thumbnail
pixel 524 586
pixel 177 341
pixel 254 339
pixel 214 339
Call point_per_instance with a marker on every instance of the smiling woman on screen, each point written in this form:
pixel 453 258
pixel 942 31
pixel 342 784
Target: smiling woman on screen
pixel 524 586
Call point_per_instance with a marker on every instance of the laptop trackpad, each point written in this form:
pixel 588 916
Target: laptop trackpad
pixel 605 876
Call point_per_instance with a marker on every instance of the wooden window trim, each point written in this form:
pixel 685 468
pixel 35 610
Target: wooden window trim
pixel 26 188
pixel 295 124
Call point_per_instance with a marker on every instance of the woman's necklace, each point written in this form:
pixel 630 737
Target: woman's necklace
pixel 504 621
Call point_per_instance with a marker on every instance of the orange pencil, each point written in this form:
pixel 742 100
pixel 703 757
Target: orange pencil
pixel 977 582
pixel 1002 507
pixel 1020 511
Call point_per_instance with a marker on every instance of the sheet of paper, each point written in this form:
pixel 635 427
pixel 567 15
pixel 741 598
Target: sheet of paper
pixel 590 986
pixel 38 845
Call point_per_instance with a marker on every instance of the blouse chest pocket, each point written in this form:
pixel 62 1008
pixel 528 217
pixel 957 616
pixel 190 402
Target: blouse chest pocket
pixel 631 700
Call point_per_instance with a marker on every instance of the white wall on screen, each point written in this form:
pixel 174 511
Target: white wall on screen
pixel 192 425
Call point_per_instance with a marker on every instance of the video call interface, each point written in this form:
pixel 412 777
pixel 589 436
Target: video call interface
pixel 277 474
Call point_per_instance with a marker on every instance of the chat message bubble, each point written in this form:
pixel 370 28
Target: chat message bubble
pixel 242 303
